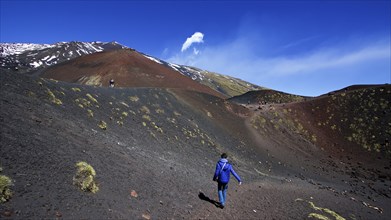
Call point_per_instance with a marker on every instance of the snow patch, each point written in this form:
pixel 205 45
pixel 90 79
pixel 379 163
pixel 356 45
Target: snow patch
pixel 45 58
pixel 51 58
pixel 153 59
pixel 175 67
pixel 36 64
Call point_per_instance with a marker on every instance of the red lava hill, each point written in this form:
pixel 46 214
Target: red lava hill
pixel 352 121
pixel 127 67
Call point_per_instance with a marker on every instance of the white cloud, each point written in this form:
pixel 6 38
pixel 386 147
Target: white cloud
pixel 197 37
pixel 236 58
pixel 323 59
pixel 340 65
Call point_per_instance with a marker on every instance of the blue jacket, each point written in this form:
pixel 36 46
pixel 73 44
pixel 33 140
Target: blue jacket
pixel 222 174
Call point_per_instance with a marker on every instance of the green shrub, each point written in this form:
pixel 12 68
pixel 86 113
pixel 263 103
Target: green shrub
pixel 145 110
pixel 92 98
pixel 53 98
pixel 5 191
pixel 159 111
pixel 90 113
pixel 146 117
pixel 84 178
pixel 102 125
pixel 133 98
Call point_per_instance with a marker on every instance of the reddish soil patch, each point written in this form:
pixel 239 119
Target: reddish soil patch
pixel 127 67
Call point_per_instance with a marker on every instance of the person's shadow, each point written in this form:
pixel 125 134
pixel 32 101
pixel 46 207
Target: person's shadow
pixel 202 196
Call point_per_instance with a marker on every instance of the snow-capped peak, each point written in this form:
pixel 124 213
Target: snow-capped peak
pixel 7 49
pixel 30 57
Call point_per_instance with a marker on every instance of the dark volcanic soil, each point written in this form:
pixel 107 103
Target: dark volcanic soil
pixel 163 144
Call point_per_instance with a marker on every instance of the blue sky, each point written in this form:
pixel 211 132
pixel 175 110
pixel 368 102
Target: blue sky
pixel 301 47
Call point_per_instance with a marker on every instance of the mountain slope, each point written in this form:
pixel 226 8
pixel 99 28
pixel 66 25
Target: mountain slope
pixel 226 85
pixel 127 67
pixel 156 156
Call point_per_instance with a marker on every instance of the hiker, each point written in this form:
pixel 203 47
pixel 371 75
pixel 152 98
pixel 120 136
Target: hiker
pixel 222 175
pixel 111 82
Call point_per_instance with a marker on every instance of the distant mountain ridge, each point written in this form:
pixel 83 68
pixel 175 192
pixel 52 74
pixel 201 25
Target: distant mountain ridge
pixel 29 58
pixel 8 49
